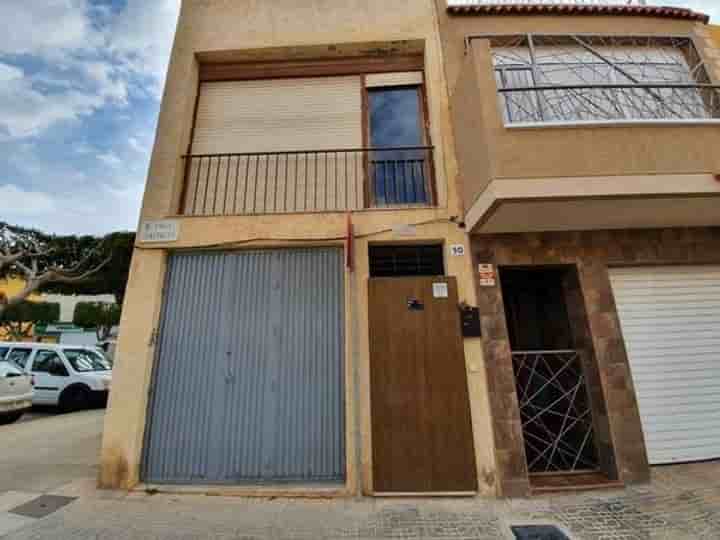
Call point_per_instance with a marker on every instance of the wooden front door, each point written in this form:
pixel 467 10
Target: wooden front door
pixel 421 427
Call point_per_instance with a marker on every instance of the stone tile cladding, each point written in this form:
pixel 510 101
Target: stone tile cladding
pixel 592 252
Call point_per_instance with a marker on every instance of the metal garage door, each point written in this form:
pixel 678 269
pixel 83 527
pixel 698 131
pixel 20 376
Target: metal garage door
pixel 670 319
pixel 249 385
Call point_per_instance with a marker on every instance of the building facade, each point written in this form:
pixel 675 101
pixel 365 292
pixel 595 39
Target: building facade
pixel 586 141
pixel 370 229
pixel 304 160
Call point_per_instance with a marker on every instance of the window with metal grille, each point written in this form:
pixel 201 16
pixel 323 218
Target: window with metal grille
pixel 394 261
pixel 580 78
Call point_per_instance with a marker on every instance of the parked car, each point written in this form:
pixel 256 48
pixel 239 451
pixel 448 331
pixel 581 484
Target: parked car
pixel 16 392
pixel 67 376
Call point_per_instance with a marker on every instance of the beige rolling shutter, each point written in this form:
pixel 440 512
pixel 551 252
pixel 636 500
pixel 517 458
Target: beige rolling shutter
pixel 278 115
pixel 402 78
pixel 269 119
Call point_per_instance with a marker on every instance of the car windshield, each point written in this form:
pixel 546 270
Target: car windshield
pixel 83 360
pixel 18 357
pixel 7 367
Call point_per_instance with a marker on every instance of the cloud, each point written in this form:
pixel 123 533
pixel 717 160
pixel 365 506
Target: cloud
pixel 107 81
pixel 137 146
pixel 110 159
pixel 141 37
pixel 94 211
pixel 21 203
pixel 90 56
pixel 25 111
pixel 10 73
pixel 31 27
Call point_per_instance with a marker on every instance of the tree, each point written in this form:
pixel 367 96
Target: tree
pixel 99 315
pixel 112 278
pixel 19 320
pixel 42 260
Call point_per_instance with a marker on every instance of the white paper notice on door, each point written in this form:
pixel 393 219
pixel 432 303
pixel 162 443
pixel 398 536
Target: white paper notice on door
pixel 440 290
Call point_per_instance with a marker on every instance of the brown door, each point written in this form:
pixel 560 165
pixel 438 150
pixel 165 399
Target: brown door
pixel 421 426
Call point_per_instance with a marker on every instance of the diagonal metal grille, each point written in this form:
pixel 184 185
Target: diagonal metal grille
pixel 579 78
pixel 555 411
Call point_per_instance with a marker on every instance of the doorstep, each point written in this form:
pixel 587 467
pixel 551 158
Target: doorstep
pixel 558 483
pixel 280 491
pixel 428 494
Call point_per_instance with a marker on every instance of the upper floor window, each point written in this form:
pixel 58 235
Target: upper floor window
pixel 398 139
pixel 589 78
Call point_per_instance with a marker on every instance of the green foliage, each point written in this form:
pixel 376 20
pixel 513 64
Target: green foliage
pixel 66 251
pixel 112 278
pixel 18 321
pixel 98 315
pixel 32 312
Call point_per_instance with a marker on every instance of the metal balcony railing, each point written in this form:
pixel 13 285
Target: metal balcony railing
pixel 610 102
pixel 548 2
pixel 303 181
pixel 555 411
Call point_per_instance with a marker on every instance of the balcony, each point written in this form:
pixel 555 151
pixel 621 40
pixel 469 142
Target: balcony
pixel 332 180
pixel 592 131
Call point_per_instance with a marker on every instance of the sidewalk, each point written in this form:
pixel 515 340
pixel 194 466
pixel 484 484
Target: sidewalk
pixel 682 503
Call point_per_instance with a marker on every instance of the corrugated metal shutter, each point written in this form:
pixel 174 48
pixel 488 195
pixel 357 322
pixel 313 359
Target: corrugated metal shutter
pixel 670 319
pixel 279 115
pixel 249 381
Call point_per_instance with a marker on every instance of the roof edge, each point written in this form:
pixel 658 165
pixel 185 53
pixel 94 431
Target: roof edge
pixel 580 9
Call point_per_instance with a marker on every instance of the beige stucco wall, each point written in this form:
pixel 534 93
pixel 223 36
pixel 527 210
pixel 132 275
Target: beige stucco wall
pixel 227 29
pixel 588 151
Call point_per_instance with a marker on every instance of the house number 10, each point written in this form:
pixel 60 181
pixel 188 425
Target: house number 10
pixel 457 250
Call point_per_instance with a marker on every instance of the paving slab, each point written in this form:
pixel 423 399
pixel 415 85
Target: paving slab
pixel 11 522
pixel 11 499
pixel 690 509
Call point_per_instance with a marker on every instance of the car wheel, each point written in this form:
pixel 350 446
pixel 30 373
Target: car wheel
pixel 74 399
pixel 9 418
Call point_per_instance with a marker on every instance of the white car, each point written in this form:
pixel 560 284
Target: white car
pixel 16 392
pixel 67 376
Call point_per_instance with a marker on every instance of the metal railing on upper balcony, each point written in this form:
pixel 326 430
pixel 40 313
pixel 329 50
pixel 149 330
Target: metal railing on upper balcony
pixel 547 2
pixel 308 181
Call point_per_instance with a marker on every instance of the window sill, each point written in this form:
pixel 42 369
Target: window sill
pixel 614 123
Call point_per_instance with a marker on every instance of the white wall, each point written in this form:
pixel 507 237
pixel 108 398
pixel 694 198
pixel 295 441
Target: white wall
pixel 68 303
pixel 79 338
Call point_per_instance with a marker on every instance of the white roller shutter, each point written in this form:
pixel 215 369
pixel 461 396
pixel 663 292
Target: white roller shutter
pixel 276 115
pixel 670 319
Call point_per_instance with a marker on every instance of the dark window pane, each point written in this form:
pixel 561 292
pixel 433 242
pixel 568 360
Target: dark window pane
pixel 398 176
pixel 394 117
pixel 43 361
pixel 393 261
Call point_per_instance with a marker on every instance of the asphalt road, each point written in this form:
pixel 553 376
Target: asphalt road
pixel 44 451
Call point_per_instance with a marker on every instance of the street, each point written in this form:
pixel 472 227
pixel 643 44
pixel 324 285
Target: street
pixel 45 451
pixel 48 465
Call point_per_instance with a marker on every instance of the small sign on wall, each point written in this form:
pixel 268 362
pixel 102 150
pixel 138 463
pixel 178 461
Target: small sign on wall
pixel 487 275
pixel 457 250
pixel 404 230
pixel 440 290
pixel 166 230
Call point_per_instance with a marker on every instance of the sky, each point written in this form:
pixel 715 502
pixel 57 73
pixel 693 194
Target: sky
pixel 80 89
